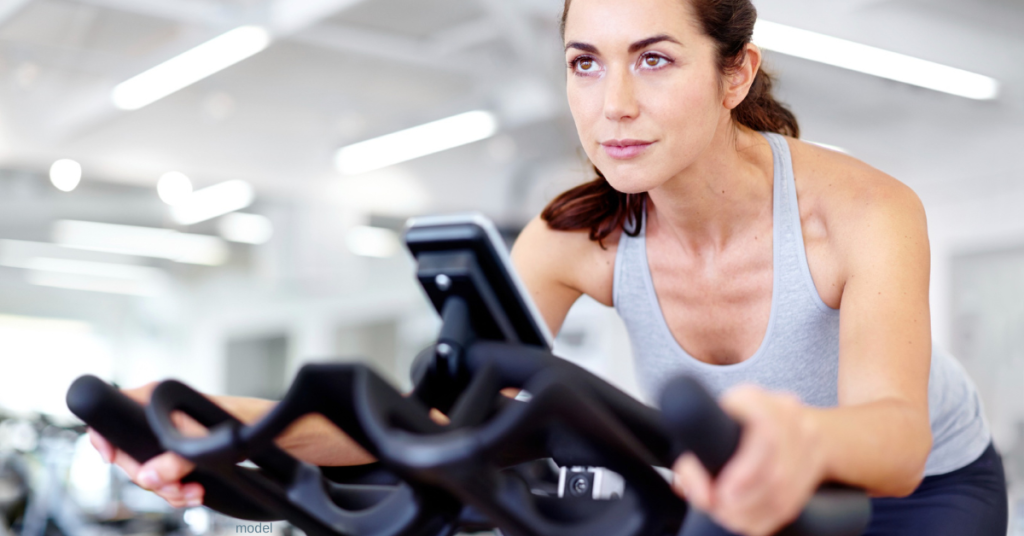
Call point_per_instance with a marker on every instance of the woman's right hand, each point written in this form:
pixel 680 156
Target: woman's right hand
pixel 161 475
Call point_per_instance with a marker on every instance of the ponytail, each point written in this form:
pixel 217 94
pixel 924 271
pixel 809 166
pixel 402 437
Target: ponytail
pixel 760 111
pixel 596 206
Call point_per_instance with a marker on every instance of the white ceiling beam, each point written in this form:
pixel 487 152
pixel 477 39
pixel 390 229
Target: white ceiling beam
pixel 854 5
pixel 290 16
pixel 536 96
pixel 303 21
pixel 10 8
pixel 90 105
pixel 187 11
pixel 545 9
pixel 283 17
pixel 463 36
pixel 512 23
pixel 351 39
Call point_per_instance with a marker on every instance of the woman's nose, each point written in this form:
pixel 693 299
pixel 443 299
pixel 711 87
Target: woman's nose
pixel 620 101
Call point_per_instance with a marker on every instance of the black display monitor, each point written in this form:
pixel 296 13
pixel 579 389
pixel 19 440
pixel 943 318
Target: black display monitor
pixel 464 255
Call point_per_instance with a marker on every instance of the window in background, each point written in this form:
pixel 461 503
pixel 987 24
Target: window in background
pixel 375 343
pixel 40 357
pixel 256 367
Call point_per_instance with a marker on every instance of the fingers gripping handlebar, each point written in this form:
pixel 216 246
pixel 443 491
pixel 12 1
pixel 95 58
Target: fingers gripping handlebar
pixel 701 427
pixel 123 422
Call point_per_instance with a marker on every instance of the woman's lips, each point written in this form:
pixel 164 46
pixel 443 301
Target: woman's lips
pixel 625 149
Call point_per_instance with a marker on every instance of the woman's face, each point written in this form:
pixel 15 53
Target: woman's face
pixel 644 88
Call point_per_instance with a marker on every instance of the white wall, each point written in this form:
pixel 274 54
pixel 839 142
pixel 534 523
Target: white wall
pixel 975 222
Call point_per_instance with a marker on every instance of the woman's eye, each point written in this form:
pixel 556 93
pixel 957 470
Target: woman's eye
pixel 653 61
pixel 584 64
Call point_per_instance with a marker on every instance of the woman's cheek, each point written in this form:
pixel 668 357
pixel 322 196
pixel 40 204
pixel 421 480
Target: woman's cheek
pixel 591 147
pixel 685 111
pixel 585 107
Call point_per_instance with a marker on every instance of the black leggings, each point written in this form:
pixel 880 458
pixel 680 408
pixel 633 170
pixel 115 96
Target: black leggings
pixel 970 501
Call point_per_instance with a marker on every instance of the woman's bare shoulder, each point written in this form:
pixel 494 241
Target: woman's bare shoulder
pixel 844 189
pixel 568 258
pixel 847 201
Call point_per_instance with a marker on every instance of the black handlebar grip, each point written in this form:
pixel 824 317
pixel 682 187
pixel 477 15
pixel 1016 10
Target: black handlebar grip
pixel 833 511
pixel 119 419
pixel 122 421
pixel 699 424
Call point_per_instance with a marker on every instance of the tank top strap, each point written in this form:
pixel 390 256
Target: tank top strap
pixel 784 204
pixel 790 251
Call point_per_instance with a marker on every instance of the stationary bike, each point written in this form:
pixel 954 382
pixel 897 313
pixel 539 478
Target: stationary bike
pixel 572 455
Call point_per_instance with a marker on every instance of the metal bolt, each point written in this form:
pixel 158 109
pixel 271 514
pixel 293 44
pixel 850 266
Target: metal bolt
pixel 579 485
pixel 443 282
pixel 444 350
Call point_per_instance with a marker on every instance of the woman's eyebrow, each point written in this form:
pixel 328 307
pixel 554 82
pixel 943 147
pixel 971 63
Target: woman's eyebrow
pixel 635 47
pixel 644 43
pixel 585 47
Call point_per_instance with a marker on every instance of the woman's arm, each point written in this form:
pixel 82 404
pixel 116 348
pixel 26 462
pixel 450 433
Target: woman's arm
pixel 313 438
pixel 880 436
pixel 542 258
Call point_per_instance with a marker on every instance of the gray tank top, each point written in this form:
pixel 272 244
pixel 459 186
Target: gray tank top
pixel 800 350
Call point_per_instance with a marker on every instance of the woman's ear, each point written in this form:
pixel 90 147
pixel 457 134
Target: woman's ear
pixel 739 80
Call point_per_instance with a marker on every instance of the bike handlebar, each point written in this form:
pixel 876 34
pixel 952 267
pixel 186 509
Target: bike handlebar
pixel 690 419
pixel 122 421
pixel 701 426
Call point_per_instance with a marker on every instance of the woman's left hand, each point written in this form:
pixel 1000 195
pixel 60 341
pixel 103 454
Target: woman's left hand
pixel 775 471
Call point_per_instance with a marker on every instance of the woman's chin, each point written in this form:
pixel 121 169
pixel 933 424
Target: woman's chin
pixel 632 183
pixel 631 190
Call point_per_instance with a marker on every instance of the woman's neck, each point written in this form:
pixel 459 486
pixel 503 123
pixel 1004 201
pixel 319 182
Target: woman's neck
pixel 725 192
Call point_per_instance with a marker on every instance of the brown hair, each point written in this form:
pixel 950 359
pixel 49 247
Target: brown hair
pixel 600 208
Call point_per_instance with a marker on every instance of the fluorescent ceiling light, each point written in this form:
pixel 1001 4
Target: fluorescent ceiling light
pixel 372 241
pixel 416 142
pixel 192 66
pixel 91 284
pixel 95 276
pixel 393 191
pixel 874 61
pixel 214 201
pixel 96 269
pixel 246 228
pixel 16 253
pixel 66 174
pixel 110 277
pixel 174 188
pixel 141 241
pixel 34 323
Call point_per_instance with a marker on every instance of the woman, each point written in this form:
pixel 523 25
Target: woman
pixel 746 257
pixel 738 257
